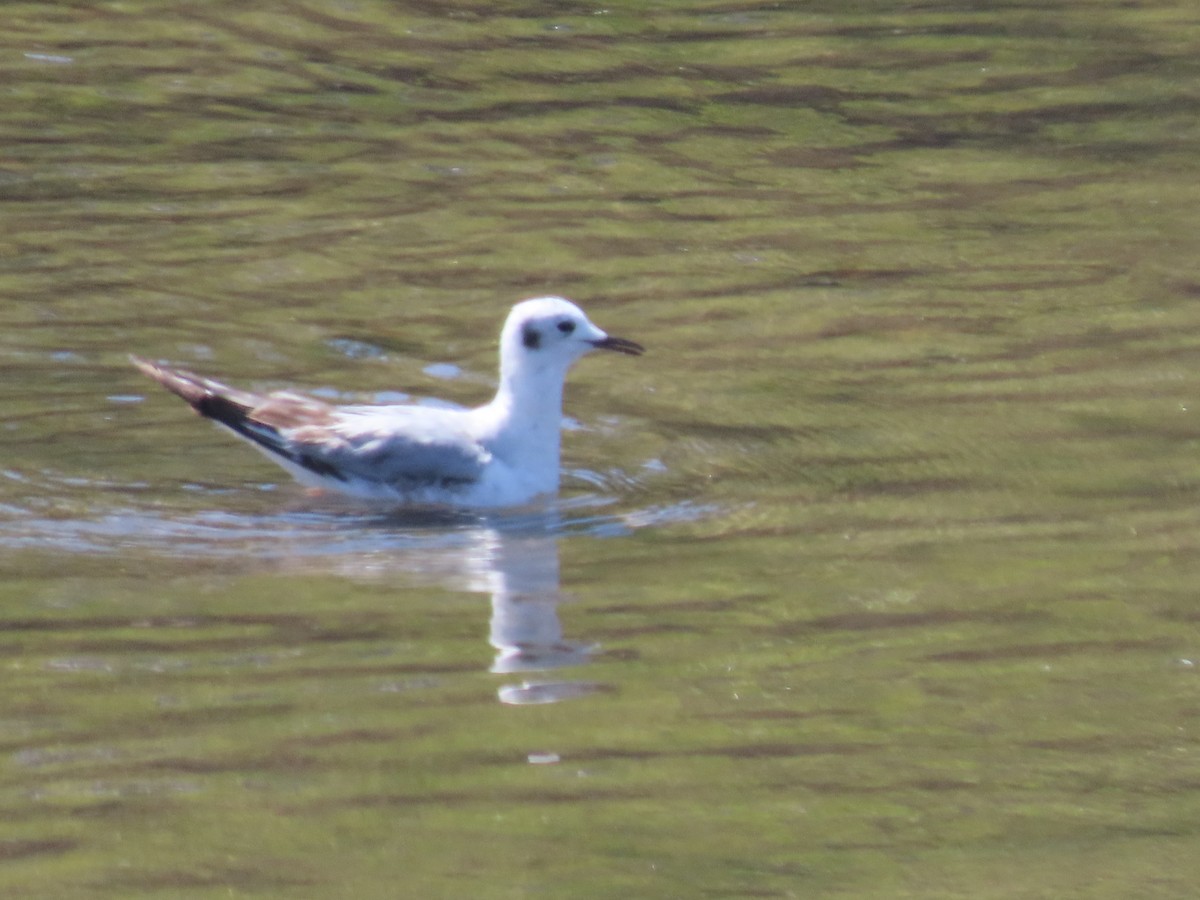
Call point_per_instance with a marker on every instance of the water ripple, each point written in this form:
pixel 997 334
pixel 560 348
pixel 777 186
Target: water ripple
pixel 65 515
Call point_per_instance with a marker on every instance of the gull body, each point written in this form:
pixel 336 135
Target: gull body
pixel 503 453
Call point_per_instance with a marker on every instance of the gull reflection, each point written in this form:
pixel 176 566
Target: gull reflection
pixel 514 559
pixel 520 570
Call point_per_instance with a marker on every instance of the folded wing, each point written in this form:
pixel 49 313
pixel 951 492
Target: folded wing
pixel 404 447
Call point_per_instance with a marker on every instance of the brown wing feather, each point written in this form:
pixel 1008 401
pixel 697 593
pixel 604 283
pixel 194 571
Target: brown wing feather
pixel 258 418
pixel 194 388
pixel 335 444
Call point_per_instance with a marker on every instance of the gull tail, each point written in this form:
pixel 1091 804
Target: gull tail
pixel 224 405
pixel 247 415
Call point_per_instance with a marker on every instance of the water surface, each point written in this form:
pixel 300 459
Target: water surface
pixel 875 577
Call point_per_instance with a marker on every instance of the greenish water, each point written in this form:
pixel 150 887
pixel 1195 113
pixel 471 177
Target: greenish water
pixel 876 577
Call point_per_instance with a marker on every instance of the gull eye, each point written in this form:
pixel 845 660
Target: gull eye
pixel 566 326
pixel 530 337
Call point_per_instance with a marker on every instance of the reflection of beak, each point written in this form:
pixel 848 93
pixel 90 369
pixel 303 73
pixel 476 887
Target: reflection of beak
pixel 620 345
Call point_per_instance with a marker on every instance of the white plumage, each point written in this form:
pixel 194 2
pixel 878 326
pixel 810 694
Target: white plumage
pixel 501 454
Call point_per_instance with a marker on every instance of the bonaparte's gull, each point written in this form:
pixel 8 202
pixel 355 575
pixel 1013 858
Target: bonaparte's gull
pixel 501 454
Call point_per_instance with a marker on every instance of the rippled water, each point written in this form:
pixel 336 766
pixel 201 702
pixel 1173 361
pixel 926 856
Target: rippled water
pixel 875 577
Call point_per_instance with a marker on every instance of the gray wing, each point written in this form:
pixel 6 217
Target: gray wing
pixel 402 446
pixel 405 446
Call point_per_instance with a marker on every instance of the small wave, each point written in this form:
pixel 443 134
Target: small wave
pixel 68 514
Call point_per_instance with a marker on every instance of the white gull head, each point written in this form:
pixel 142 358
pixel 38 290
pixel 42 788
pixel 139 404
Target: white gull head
pixel 543 337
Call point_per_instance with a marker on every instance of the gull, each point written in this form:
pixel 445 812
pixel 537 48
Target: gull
pixel 504 453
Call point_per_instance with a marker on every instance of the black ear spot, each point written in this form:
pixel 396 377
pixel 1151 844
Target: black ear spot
pixel 566 326
pixel 531 337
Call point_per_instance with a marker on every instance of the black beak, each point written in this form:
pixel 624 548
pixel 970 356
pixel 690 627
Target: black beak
pixel 620 345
